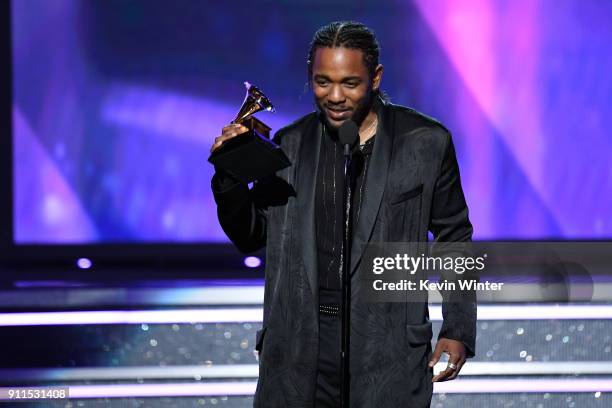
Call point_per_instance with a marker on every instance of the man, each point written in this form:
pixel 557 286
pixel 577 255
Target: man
pixel 407 182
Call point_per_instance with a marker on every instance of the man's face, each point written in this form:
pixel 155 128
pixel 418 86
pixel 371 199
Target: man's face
pixel 341 85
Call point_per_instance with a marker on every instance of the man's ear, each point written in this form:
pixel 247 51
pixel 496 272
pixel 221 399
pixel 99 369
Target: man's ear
pixel 378 72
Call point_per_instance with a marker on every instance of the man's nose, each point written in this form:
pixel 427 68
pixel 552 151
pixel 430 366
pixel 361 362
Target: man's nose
pixel 336 95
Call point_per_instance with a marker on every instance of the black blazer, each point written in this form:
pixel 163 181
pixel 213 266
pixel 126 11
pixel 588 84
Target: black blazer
pixel 413 187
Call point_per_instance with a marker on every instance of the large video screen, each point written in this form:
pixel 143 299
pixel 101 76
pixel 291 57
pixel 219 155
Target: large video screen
pixel 116 104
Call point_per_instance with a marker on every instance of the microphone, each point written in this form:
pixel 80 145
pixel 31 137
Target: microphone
pixel 348 135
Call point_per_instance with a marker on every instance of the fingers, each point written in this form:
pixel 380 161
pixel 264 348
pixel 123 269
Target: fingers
pixel 234 128
pixel 435 357
pixel 455 373
pixel 456 355
pixel 229 132
pixel 450 373
pixel 442 375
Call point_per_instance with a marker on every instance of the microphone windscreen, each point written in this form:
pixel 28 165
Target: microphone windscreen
pixel 348 133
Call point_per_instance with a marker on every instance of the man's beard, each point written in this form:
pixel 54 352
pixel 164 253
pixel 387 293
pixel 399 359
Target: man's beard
pixel 359 114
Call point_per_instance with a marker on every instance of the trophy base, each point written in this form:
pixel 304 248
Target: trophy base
pixel 249 157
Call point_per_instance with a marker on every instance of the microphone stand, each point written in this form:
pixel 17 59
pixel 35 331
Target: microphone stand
pixel 346 281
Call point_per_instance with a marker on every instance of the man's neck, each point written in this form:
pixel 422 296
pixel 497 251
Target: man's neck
pixel 368 127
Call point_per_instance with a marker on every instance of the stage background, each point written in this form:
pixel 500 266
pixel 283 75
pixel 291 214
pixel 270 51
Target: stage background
pixel 116 103
pixel 121 281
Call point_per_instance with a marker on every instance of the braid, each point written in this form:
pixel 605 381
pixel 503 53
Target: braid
pixel 347 34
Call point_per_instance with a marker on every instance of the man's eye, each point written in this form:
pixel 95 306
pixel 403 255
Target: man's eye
pixel 322 83
pixel 351 84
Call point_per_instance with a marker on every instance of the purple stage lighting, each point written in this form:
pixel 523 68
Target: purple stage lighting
pixel 110 144
pixel 252 261
pixel 84 263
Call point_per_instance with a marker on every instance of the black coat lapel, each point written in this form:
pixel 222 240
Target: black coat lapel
pixel 376 179
pixel 310 146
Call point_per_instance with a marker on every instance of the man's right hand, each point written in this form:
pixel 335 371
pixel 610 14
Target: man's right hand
pixel 229 131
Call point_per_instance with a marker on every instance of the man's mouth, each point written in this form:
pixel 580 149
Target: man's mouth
pixel 338 114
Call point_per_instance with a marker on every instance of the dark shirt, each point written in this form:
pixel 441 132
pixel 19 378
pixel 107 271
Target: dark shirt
pixel 328 204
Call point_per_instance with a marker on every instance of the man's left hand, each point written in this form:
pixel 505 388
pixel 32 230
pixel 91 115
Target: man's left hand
pixel 456 355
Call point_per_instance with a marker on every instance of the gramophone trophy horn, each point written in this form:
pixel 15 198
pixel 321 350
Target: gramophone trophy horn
pixel 254 101
pixel 252 155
